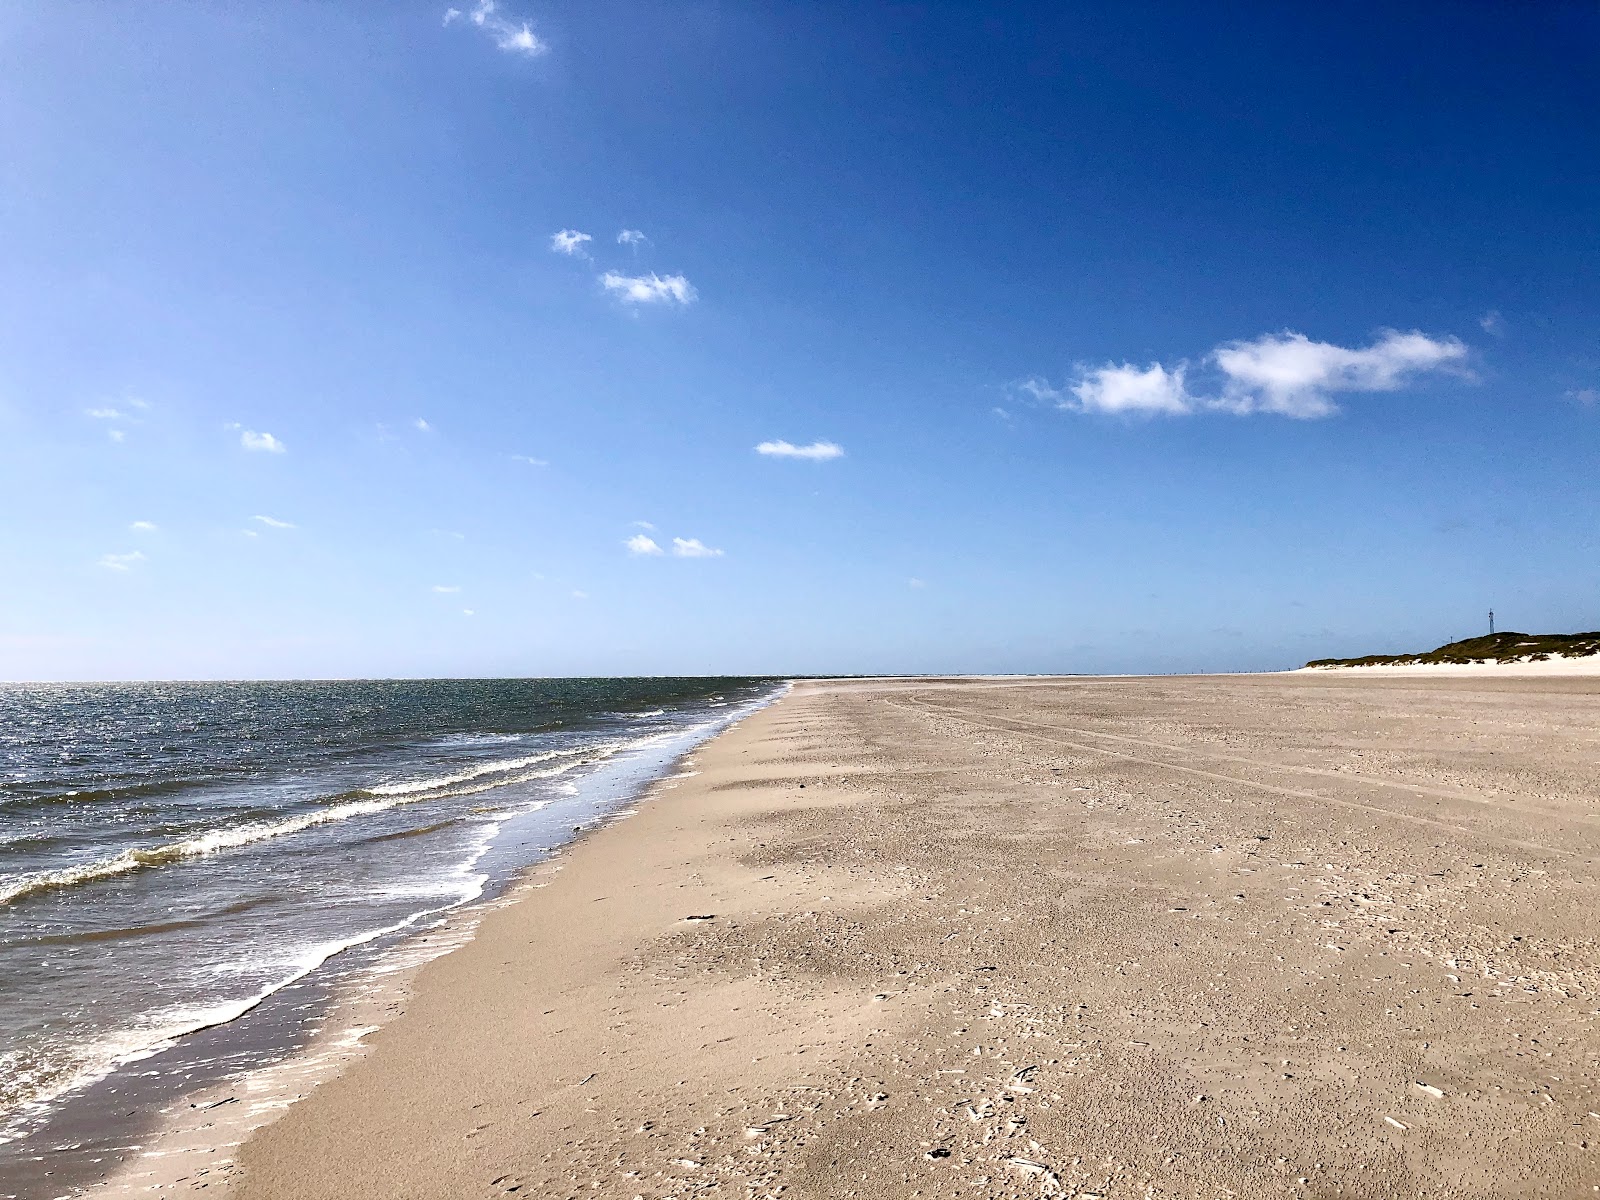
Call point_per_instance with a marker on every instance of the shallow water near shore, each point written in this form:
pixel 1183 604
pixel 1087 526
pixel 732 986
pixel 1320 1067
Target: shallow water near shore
pixel 187 870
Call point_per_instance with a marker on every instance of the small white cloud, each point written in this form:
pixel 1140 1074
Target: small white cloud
pixel 693 548
pixel 650 289
pixel 816 451
pixel 1127 389
pixel 116 435
pixel 642 524
pixel 422 426
pixel 249 533
pixel 273 522
pixel 509 35
pixel 640 544
pixel 631 237
pixel 265 442
pixel 469 612
pixel 121 562
pixel 446 589
pixel 1291 375
pixel 577 595
pixel 530 461
pixel 104 414
pixel 143 526
pixel 570 242
pixel 916 583
pixel 1588 397
pixel 1493 322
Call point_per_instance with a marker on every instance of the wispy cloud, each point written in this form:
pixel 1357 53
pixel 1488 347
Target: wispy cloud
pixel 105 414
pixel 916 583
pixel 632 237
pixel 421 425
pixel 693 548
pixel 446 589
pixel 116 435
pixel 264 442
pixel 1286 373
pixel 1493 322
pixel 509 34
pixel 579 595
pixel 816 451
pixel 641 524
pixel 1588 397
pixel 641 544
pixel 529 460
pixel 143 526
pixel 650 289
pixel 121 562
pixel 469 612
pixel 273 522
pixel 570 242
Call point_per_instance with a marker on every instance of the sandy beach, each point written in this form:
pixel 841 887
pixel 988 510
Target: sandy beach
pixel 1313 935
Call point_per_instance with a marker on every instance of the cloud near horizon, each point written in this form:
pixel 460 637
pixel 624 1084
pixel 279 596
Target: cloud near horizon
pixel 509 35
pixel 816 451
pixel 1286 374
pixel 650 289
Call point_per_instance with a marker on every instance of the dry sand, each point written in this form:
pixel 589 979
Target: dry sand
pixel 1294 935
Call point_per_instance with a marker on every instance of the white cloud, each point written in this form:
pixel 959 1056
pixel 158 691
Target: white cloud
pixel 121 562
pixel 916 583
pixel 1588 397
pixel 104 414
pixel 641 524
pixel 693 548
pixel 1127 389
pixel 650 289
pixel 469 612
pixel 569 241
pixel 1285 373
pixel 446 589
pixel 577 595
pixel 509 35
pixel 631 237
pixel 116 435
pixel 273 522
pixel 532 462
pixel 422 425
pixel 640 544
pixel 1493 322
pixel 249 533
pixel 1290 374
pixel 143 527
pixel 265 442
pixel 816 451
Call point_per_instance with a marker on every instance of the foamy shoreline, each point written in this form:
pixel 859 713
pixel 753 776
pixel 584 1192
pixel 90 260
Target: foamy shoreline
pixel 190 1142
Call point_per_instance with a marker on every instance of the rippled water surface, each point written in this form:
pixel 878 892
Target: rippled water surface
pixel 171 853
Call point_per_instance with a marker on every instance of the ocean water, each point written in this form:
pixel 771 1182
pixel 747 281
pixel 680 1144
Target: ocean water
pixel 172 854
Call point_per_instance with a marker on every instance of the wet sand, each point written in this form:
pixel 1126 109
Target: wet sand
pixel 1231 936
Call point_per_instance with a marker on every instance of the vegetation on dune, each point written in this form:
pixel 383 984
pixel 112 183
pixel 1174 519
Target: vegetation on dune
pixel 1493 647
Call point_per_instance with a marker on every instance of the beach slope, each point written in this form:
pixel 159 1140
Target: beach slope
pixel 1249 936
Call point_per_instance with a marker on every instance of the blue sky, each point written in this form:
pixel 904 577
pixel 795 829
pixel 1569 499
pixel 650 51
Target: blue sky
pixel 1120 337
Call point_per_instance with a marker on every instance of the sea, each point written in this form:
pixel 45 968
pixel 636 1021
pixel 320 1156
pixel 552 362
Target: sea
pixel 175 857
